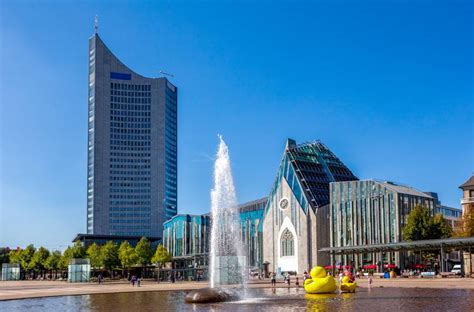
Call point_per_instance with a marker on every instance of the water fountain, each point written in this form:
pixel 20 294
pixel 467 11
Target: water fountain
pixel 227 259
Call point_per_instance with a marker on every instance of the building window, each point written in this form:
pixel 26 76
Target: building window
pixel 287 244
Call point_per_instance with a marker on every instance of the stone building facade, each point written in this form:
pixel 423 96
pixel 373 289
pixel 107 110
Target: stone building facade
pixel 296 220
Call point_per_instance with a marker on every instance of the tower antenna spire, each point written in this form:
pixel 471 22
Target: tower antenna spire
pixel 96 24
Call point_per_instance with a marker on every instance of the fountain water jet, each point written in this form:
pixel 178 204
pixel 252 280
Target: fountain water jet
pixel 227 257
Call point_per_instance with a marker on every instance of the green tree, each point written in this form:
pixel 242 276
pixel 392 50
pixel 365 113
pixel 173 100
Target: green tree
pixel 421 225
pixel 127 256
pixel 418 226
pixel 14 256
pixel 76 251
pixel 144 251
pixel 162 256
pixel 37 263
pixel 440 227
pixel 26 255
pixel 110 257
pixel 94 253
pixel 52 263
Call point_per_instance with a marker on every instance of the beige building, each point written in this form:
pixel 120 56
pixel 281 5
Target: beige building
pixel 467 203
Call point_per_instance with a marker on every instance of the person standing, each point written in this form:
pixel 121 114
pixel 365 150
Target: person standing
pixel 297 283
pixel 288 280
pixel 273 280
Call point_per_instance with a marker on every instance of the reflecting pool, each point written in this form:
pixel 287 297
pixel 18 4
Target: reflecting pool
pixel 280 299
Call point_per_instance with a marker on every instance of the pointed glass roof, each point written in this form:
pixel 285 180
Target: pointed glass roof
pixel 309 168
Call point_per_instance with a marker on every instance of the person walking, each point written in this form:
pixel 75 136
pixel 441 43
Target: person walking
pixel 369 281
pixel 138 281
pixel 273 280
pixel 297 283
pixel 305 276
pixel 288 280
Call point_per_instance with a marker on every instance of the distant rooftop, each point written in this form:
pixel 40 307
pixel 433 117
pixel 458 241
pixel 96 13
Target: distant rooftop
pixel 403 189
pixel 468 184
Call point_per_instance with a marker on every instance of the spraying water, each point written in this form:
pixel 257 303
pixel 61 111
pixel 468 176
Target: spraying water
pixel 227 259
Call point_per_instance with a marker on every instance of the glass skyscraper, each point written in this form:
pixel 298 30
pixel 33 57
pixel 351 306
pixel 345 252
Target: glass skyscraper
pixel 132 148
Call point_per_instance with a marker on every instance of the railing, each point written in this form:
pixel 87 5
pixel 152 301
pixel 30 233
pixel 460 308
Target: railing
pixel 467 200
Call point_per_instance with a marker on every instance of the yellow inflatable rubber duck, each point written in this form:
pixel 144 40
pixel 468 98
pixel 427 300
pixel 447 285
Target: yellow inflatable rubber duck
pixel 319 283
pixel 347 285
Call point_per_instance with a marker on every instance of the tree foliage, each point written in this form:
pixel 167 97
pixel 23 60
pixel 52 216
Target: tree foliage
pixel 77 251
pixel 144 251
pixel 94 253
pixel 38 260
pixel 127 255
pixel 53 261
pixel 109 256
pixel 465 227
pixel 421 225
pixel 14 256
pixel 440 228
pixel 162 256
pixel 23 256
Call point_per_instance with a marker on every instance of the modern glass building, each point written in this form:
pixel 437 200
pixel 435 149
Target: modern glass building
pixel 372 212
pixel 132 148
pixel 296 220
pixel 187 236
pixel 251 219
pixel 187 239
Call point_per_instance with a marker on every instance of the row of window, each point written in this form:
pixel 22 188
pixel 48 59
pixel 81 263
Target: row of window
pixel 130 148
pixel 129 215
pixel 130 93
pixel 131 119
pixel 113 196
pixel 126 86
pixel 114 178
pixel 119 166
pixel 129 202
pixel 130 209
pixel 128 160
pixel 130 191
pixel 131 100
pixel 129 126
pixel 114 112
pixel 130 107
pixel 125 184
pixel 129 143
pixel 119 154
pixel 130 137
pixel 129 228
pixel 125 172
pixel 133 221
pixel 130 131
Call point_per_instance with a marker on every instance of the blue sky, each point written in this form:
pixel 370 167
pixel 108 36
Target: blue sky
pixel 387 86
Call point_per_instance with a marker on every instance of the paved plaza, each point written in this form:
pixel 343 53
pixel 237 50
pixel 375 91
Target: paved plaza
pixel 33 289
